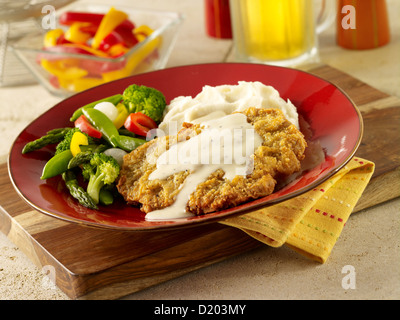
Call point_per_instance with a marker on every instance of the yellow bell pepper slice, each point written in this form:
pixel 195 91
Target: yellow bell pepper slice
pixel 75 34
pixel 122 115
pixel 117 50
pixel 78 139
pixel 142 32
pixel 51 36
pixel 110 21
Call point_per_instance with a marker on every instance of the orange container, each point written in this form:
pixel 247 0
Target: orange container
pixel 362 24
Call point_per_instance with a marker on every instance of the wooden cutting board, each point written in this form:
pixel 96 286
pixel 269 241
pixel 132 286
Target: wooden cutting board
pixel 91 263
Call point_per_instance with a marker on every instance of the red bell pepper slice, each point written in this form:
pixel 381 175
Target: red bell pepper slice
pixel 111 39
pixel 85 126
pixel 89 28
pixel 127 35
pixel 139 123
pixel 69 17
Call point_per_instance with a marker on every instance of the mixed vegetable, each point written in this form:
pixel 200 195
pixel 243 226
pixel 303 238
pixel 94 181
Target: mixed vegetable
pixel 93 35
pixel 89 155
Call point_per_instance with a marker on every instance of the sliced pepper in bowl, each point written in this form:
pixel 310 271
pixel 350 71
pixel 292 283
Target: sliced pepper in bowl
pixel 97 36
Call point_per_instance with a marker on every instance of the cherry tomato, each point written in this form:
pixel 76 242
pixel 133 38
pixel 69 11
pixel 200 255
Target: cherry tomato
pixel 139 123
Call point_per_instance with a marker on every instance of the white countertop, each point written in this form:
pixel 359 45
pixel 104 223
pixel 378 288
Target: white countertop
pixel 264 273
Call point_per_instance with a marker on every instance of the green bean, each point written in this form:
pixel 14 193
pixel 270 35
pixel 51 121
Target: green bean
pixel 128 143
pixel 126 132
pixel 56 165
pixel 102 123
pixel 115 99
pixel 106 197
pixel 77 191
pixel 110 133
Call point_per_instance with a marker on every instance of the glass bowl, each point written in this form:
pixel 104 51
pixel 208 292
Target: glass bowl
pixel 64 74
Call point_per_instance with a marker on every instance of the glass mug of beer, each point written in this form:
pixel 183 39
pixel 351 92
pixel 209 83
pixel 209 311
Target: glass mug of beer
pixel 279 32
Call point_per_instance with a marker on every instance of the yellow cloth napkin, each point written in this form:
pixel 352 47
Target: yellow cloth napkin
pixel 312 222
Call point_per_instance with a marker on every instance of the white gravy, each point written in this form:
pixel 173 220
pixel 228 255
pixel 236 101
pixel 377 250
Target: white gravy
pixel 226 143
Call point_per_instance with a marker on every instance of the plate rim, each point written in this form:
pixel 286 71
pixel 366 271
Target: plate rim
pixel 184 223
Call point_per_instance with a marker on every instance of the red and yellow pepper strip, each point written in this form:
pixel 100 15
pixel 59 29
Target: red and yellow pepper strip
pixel 112 35
pixel 93 20
pixel 51 37
pixel 117 50
pixel 76 34
pixel 133 61
pixel 70 17
pixel 142 32
pixel 110 21
pixel 109 40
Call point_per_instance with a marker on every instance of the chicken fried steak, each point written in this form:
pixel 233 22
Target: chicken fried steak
pixel 279 155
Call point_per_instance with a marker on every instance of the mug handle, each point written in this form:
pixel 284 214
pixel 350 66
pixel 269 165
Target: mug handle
pixel 327 15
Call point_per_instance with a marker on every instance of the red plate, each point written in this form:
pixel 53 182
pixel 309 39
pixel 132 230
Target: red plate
pixel 335 122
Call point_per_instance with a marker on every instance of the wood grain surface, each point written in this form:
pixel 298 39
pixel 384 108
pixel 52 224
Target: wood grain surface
pixel 92 263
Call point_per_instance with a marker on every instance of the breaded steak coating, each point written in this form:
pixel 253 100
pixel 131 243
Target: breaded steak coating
pixel 279 155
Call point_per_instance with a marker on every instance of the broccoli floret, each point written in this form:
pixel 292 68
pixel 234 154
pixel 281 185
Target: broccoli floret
pixel 147 100
pixel 66 142
pixel 100 171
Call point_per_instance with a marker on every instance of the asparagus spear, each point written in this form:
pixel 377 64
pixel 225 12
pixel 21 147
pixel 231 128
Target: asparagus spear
pixel 53 136
pixel 84 156
pixel 76 191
